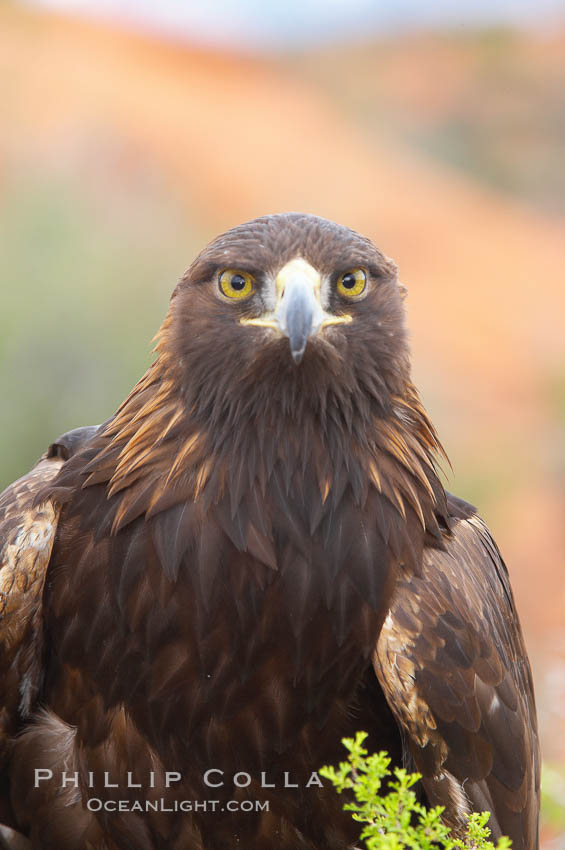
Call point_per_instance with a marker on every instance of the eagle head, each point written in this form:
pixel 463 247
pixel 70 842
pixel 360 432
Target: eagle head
pixel 282 368
pixel 289 306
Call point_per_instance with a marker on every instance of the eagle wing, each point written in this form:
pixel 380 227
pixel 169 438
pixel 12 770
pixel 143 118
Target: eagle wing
pixel 452 663
pixel 27 533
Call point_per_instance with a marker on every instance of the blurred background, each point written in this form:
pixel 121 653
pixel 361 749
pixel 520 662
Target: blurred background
pixel 133 132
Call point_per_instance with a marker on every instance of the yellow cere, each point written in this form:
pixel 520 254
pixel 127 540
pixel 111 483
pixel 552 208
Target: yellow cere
pixel 236 284
pixel 352 284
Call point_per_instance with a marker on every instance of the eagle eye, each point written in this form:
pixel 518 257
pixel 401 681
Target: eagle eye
pixel 351 284
pixel 236 284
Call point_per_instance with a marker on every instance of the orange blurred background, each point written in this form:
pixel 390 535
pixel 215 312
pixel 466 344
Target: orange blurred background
pixel 122 154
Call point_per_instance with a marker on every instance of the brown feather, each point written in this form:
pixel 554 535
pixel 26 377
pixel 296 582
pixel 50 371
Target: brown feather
pixel 471 722
pixel 230 546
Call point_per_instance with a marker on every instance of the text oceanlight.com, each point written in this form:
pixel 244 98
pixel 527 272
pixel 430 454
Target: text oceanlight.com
pixel 95 804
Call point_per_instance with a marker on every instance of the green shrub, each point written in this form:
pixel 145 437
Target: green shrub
pixel 393 819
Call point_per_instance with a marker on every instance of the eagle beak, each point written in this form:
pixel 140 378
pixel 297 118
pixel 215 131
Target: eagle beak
pixel 298 313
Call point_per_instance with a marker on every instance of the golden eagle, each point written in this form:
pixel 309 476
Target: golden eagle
pixel 253 558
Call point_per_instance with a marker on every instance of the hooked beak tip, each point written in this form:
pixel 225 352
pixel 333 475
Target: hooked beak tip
pixel 297 355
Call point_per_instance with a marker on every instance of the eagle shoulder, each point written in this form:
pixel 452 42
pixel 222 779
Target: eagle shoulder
pixel 452 663
pixel 27 534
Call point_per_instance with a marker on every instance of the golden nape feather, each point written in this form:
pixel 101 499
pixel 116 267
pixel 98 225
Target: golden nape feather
pixel 253 558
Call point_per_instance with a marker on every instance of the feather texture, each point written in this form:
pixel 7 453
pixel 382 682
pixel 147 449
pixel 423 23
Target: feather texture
pixel 235 548
pixel 453 667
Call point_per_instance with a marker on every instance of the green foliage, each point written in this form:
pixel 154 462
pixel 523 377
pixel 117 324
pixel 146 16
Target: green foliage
pixel 393 819
pixel 553 797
